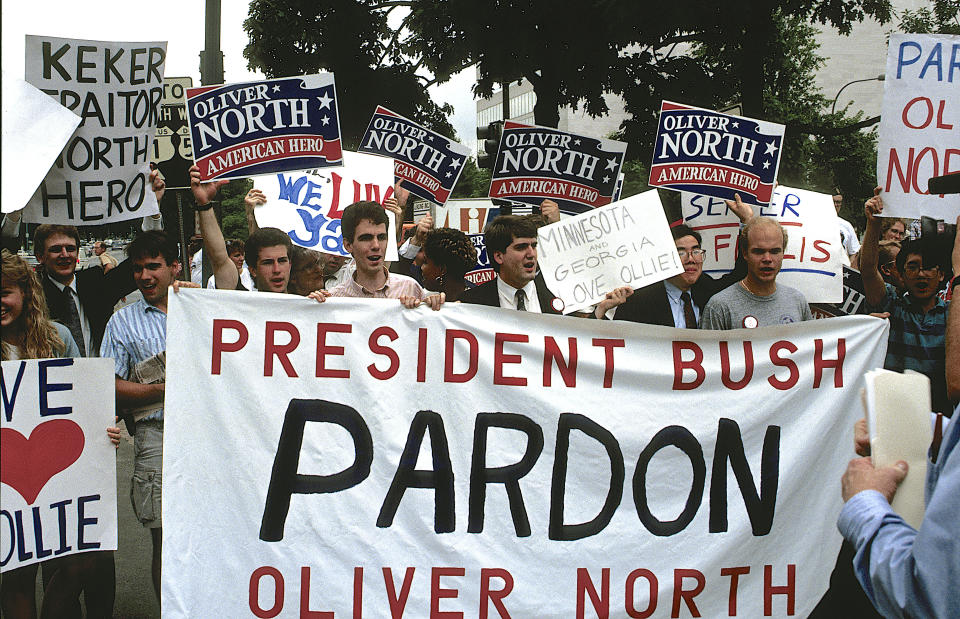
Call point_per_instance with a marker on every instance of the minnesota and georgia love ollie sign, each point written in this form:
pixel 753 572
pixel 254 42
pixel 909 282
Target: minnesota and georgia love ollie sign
pixel 716 154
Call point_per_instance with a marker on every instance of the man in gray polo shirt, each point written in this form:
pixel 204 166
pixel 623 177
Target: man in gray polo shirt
pixel 757 300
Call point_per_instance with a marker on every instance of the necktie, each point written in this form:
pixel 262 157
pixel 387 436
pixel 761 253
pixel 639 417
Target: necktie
pixel 73 321
pixel 521 301
pixel 688 314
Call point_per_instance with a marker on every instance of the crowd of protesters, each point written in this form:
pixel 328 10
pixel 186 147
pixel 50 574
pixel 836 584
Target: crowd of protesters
pixel 62 311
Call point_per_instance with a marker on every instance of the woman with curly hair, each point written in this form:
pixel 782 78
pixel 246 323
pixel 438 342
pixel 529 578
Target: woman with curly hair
pixel 447 255
pixel 28 333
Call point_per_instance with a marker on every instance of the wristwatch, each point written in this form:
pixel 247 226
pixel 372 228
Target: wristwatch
pixel 205 207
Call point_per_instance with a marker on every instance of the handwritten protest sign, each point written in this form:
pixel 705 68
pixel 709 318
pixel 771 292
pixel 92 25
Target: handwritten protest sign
pixel 577 172
pixel 35 130
pixel 919 124
pixel 627 243
pixel 307 205
pixel 241 130
pixel 551 479
pixel 172 151
pixel 58 479
pixel 427 163
pixel 102 175
pixel 715 154
pixel 813 260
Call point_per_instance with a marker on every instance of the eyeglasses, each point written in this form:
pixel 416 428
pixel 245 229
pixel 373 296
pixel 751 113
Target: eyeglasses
pixel 696 254
pixel 916 269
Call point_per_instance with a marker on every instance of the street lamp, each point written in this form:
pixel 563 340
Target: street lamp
pixel 878 78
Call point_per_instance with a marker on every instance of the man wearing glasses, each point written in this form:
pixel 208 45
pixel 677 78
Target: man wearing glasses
pixel 918 319
pixel 679 300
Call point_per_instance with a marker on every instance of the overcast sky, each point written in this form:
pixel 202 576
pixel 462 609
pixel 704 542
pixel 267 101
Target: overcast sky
pixel 180 23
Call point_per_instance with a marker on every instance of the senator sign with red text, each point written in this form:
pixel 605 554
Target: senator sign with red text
pixel 369 461
pixel 58 480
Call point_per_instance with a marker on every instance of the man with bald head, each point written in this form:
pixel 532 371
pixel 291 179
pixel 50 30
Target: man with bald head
pixel 758 300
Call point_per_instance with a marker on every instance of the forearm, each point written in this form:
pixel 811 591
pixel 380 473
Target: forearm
pixel 953 351
pixel 133 394
pixel 869 256
pixel 215 248
pixel 252 225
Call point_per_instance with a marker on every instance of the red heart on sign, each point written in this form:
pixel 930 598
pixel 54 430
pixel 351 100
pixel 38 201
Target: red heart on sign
pixel 27 464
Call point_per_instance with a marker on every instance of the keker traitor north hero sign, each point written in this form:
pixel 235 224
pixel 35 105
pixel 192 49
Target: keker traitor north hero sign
pixel 536 163
pixel 426 163
pixel 241 130
pixel 716 154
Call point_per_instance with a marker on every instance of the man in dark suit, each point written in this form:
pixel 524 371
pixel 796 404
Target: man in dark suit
pixel 511 242
pixel 679 300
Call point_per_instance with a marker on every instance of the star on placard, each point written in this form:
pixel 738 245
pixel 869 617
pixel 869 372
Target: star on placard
pixel 454 163
pixel 766 165
pixel 430 137
pixel 324 101
pixel 325 120
pixel 276 88
pixel 606 179
pixel 771 148
pixel 576 142
pixel 611 164
pixel 735 125
pixel 449 175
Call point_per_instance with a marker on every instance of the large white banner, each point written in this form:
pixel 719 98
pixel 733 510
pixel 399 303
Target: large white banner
pixel 812 261
pixel 58 478
pixel 102 174
pixel 366 460
pixel 626 243
pixel 307 205
pixel 919 124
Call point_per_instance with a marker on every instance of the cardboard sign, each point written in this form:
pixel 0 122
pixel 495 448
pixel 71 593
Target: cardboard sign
pixel 241 130
pixel 35 130
pixel 385 459
pixel 854 298
pixel 813 260
pixel 102 174
pixel 307 205
pixel 715 154
pixel 483 272
pixel 172 150
pixel 427 163
pixel 627 243
pixel 579 173
pixel 919 125
pixel 58 479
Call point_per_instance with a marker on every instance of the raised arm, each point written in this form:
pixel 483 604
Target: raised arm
pixel 251 201
pixel 873 284
pixel 224 270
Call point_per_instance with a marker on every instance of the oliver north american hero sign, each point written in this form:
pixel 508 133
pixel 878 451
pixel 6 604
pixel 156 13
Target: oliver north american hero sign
pixel 426 163
pixel 241 130
pixel 536 163
pixel 716 154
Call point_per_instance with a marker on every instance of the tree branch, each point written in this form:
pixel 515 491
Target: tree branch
pixel 824 131
pixel 393 40
pixel 389 4
pixel 428 83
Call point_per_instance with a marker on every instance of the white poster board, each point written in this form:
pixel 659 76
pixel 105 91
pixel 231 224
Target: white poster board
pixel 626 243
pixel 102 174
pixel 813 260
pixel 301 493
pixel 35 130
pixel 58 477
pixel 307 205
pixel 919 125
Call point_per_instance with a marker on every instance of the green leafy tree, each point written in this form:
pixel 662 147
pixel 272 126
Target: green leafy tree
pixel 941 17
pixel 473 182
pixel 234 222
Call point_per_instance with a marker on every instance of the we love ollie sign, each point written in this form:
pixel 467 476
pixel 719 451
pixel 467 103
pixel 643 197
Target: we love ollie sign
pixel 58 481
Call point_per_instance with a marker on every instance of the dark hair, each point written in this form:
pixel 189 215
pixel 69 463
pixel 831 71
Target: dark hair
pixel 683 230
pixel 450 248
pixel 45 231
pixel 500 233
pixel 264 237
pixel 357 212
pixel 151 244
pixel 235 245
pixel 923 247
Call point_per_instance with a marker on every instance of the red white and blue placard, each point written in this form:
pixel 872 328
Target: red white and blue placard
pixel 425 162
pixel 534 163
pixel 715 154
pixel 251 128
